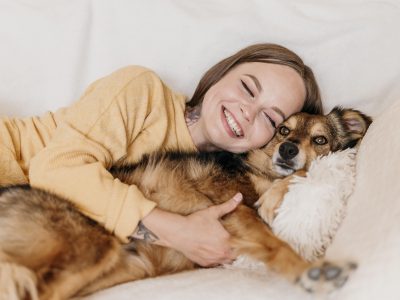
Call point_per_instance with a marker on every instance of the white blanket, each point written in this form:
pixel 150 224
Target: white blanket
pixel 52 49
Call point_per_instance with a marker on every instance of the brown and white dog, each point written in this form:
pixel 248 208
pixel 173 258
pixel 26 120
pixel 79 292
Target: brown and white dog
pixel 48 250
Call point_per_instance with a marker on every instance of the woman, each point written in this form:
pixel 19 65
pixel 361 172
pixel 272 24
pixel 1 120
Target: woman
pixel 236 107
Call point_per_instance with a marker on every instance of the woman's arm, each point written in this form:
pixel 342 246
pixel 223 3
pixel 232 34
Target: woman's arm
pixel 96 132
pixel 199 236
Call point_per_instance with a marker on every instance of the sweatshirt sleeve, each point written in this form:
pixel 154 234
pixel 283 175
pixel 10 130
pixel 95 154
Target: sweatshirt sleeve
pixel 95 133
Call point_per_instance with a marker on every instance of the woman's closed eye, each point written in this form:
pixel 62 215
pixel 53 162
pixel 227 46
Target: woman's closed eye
pixel 270 120
pixel 248 90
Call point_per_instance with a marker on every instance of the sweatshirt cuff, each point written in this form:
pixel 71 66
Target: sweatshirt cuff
pixel 132 211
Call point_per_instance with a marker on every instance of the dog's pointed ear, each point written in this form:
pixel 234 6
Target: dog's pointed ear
pixel 350 125
pixel 356 122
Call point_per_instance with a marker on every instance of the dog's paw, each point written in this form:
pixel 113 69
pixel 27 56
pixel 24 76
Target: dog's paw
pixel 266 211
pixel 270 201
pixel 326 277
pixel 17 282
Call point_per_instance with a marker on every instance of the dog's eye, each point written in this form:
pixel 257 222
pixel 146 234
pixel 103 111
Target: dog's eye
pixel 320 140
pixel 284 130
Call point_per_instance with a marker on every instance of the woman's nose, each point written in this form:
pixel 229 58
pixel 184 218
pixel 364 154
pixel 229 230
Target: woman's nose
pixel 248 113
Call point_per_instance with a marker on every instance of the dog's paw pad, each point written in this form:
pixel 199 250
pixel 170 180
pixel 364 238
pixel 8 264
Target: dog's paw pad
pixel 314 273
pixel 327 277
pixel 332 272
pixel 340 282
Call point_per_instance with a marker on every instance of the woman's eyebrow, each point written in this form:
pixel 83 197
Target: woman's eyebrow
pixel 279 112
pixel 256 82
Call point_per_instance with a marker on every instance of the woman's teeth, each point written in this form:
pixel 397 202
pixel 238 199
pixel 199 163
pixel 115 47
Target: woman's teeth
pixel 232 124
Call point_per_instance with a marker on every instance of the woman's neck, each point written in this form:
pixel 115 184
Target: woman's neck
pixel 193 122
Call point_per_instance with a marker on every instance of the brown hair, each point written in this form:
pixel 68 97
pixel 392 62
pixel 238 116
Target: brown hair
pixel 266 53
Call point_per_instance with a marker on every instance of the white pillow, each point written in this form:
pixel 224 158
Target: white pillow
pixel 370 233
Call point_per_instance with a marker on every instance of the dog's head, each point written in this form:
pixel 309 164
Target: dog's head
pixel 303 137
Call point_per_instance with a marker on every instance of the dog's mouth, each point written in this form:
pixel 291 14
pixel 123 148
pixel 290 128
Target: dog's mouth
pixel 284 167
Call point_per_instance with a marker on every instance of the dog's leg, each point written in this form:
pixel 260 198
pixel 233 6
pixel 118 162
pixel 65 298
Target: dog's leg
pixel 253 238
pixel 272 199
pixel 147 261
pixel 68 280
pixel 129 268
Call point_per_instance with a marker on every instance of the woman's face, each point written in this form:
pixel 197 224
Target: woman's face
pixel 241 111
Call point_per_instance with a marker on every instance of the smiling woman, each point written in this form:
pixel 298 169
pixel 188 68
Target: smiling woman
pixel 131 112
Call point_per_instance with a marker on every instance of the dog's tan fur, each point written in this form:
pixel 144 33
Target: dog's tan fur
pixel 57 253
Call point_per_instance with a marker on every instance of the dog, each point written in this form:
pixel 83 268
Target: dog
pixel 49 250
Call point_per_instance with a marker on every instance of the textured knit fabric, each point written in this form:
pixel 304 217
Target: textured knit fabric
pixel 120 117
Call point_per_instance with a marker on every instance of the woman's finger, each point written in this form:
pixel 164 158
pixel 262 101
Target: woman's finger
pixel 228 206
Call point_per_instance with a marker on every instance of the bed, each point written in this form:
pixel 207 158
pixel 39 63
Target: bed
pixel 52 49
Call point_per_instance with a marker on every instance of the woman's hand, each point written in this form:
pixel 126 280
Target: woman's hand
pixel 199 236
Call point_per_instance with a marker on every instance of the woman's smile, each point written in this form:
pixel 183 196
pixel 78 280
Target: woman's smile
pixel 230 124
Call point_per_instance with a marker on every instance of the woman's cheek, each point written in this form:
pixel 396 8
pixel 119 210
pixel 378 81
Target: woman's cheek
pixel 264 135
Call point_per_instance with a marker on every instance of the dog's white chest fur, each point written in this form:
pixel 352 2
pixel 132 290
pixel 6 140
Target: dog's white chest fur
pixel 315 205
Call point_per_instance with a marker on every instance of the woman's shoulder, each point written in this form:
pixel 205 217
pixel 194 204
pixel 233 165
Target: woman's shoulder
pixel 131 77
pixel 132 71
pixel 126 85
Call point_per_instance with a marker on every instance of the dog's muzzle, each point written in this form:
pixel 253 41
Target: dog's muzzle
pixel 287 159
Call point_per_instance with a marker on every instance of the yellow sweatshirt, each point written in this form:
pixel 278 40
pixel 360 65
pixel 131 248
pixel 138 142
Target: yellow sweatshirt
pixel 120 117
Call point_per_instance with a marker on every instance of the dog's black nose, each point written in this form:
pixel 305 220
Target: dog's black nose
pixel 288 150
